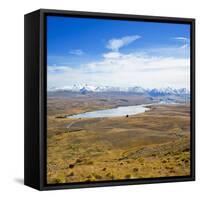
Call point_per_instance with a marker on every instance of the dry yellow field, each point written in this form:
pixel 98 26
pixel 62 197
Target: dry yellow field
pixel 153 144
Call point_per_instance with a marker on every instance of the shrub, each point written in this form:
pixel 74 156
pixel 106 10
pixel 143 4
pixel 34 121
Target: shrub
pixel 71 174
pixel 71 165
pixel 128 176
pixel 135 169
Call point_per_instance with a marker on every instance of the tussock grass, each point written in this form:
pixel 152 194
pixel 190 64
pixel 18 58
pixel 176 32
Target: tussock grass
pixel 153 144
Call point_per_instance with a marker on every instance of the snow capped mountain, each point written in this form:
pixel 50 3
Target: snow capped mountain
pixel 138 90
pixel 168 91
pixel 85 88
pixel 183 91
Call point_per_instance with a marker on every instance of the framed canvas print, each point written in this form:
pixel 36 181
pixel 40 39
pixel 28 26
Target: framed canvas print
pixel 109 99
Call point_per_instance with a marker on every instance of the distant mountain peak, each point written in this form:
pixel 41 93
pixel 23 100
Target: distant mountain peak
pixel 85 88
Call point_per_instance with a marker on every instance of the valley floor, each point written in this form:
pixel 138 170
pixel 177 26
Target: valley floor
pixel 153 144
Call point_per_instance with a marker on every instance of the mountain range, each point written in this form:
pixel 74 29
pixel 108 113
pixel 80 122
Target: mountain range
pixel 85 88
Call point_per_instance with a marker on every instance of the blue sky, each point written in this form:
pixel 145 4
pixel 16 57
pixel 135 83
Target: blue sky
pixel 117 53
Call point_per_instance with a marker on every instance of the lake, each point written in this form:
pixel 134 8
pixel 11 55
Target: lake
pixel 113 112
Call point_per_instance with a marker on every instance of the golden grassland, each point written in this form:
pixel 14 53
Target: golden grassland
pixel 153 144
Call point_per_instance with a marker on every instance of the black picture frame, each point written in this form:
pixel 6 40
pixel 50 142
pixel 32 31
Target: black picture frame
pixel 35 96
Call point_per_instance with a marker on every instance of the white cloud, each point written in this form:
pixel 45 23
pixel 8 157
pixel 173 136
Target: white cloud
pixel 77 52
pixel 184 46
pixel 116 43
pixel 181 38
pixel 126 70
pixel 112 55
pixel 149 68
pixel 184 40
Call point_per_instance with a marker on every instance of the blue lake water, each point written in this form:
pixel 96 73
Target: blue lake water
pixel 113 112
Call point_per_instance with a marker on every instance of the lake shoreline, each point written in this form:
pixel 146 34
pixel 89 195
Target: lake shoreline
pixel 146 107
pixel 105 115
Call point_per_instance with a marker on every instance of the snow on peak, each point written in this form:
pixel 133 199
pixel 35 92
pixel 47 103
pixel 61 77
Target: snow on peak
pixel 84 88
